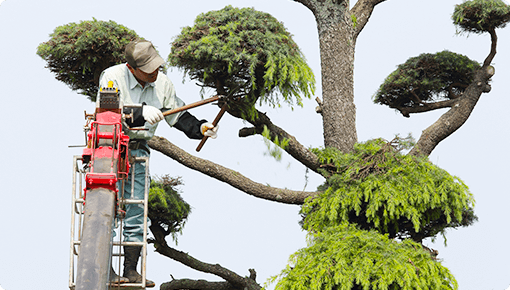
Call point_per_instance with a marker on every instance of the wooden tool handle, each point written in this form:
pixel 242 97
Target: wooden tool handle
pixel 192 105
pixel 215 122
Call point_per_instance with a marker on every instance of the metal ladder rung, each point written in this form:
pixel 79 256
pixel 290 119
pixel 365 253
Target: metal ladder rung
pixel 128 243
pixel 130 286
pixel 125 201
pixel 76 222
pixel 133 201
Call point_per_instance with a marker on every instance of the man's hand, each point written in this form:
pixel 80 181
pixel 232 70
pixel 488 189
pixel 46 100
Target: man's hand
pixel 209 130
pixel 152 114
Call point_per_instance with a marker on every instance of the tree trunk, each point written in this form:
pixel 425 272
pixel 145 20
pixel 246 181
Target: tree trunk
pixel 337 41
pixel 338 29
pixel 338 110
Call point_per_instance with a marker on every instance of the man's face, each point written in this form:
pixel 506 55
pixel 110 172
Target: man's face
pixel 145 77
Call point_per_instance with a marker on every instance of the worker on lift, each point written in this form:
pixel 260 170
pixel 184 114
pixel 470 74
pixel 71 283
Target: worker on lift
pixel 140 82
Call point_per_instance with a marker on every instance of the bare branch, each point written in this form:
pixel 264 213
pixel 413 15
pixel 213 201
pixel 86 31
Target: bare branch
pixel 307 4
pixel 451 94
pixel 227 175
pixel 452 120
pixel 415 97
pixel 233 280
pixel 494 42
pixel 318 109
pixel 460 112
pixel 425 107
pixel 181 284
pixel 362 10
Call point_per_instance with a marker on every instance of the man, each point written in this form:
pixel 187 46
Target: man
pixel 139 82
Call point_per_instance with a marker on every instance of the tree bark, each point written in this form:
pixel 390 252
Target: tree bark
pixel 452 120
pixel 425 107
pixel 233 280
pixel 229 176
pixel 187 284
pixel 460 112
pixel 337 41
pixel 338 109
pixel 362 11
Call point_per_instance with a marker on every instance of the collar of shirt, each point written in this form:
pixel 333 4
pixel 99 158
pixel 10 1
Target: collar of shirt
pixel 133 82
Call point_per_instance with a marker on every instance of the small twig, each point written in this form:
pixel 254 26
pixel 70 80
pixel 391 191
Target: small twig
pixel 318 109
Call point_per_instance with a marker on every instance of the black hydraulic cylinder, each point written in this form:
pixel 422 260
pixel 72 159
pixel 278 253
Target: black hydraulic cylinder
pixel 93 265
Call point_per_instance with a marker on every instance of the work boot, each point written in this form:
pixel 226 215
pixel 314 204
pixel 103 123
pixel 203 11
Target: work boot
pixel 116 279
pixel 131 256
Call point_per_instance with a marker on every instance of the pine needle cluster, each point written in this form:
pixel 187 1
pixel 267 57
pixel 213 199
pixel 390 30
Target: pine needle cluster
pixel 377 187
pixel 479 16
pixel 343 257
pixel 246 54
pixel 166 206
pixel 77 53
pixel 365 229
pixel 427 78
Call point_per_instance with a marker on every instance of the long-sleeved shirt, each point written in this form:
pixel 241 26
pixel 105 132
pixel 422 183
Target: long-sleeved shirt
pixel 160 94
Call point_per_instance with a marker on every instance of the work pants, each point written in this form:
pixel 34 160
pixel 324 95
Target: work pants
pixel 133 221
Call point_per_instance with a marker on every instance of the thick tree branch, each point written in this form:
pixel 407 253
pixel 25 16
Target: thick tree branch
pixel 452 120
pixel 229 176
pixel 494 42
pixel 181 284
pixel 233 280
pixel 308 4
pixel 425 107
pixel 460 112
pixel 362 10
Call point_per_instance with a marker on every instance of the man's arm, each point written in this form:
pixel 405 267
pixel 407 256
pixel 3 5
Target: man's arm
pixel 137 119
pixel 190 125
pixel 186 123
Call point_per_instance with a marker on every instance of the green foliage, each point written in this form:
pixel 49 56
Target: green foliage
pixel 479 16
pixel 276 150
pixel 372 196
pixel 78 52
pixel 354 20
pixel 343 258
pixel 246 54
pixel 166 206
pixel 427 78
pixel 376 186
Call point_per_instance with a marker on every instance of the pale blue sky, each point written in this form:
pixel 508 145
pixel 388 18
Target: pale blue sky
pixel 41 117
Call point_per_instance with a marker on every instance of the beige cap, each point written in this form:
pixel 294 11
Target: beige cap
pixel 142 54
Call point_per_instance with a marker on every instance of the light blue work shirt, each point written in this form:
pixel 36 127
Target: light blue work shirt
pixel 160 94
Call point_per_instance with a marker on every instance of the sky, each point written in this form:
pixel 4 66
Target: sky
pixel 41 117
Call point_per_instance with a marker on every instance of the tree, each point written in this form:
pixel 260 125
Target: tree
pixel 77 53
pixel 245 54
pixel 362 210
pixel 167 209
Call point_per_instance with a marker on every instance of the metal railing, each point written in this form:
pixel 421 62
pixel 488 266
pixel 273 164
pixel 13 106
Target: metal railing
pixel 77 213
